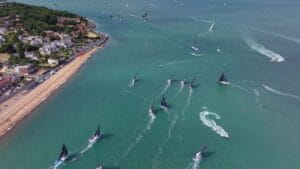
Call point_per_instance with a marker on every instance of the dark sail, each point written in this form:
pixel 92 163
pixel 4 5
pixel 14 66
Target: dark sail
pixel 163 102
pixel 134 77
pixel 97 131
pixel 223 78
pixel 203 148
pixel 64 152
pixel 193 81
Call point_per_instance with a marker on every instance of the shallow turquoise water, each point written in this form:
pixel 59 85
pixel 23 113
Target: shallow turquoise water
pixel 263 128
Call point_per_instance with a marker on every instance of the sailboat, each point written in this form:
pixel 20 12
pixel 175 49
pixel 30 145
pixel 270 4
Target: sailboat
pixel 94 138
pixel 198 156
pixel 62 157
pixel 193 47
pixel 163 103
pixel 192 83
pixel 223 79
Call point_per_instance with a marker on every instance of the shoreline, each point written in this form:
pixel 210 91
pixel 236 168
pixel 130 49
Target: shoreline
pixel 21 105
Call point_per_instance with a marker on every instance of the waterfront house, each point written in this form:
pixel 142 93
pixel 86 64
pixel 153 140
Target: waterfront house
pixel 25 69
pixel 51 47
pixel 33 40
pixel 2 39
pixel 52 62
pixel 3 30
pixel 31 55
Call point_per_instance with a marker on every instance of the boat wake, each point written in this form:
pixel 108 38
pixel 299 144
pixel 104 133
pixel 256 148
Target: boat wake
pixel 188 101
pixel 178 62
pixel 280 93
pixel 140 136
pixel 211 28
pixel 180 87
pixel 165 88
pixel 134 94
pixel 84 150
pixel 202 20
pixel 196 54
pixel 163 143
pixel 237 86
pixel 275 57
pixel 194 164
pixel 292 39
pixel 256 92
pixel 212 124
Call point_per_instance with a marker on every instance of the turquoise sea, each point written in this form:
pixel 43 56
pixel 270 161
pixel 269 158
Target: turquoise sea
pixel 259 110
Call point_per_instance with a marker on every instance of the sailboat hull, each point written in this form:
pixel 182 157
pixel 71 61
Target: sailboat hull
pixel 94 139
pixel 224 82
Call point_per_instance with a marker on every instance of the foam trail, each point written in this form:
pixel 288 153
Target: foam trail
pixel 194 164
pixel 181 87
pixel 178 62
pixel 211 28
pixel 163 143
pixel 134 94
pixel 256 92
pixel 189 166
pixel 202 20
pixel 187 102
pixel 212 124
pixel 196 54
pixel 185 108
pixel 160 150
pixel 292 39
pixel 275 57
pixel 237 86
pixel 89 146
pixel 140 136
pixel 165 88
pixel 280 93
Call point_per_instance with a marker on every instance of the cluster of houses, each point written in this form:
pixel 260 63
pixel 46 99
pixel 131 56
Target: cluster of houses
pixel 7 82
pixel 2 33
pixel 42 47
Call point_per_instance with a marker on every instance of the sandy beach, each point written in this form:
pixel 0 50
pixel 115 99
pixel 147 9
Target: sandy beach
pixel 18 107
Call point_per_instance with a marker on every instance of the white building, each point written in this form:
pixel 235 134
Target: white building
pixel 52 62
pixel 31 55
pixel 33 40
pixel 2 39
pixel 3 31
pixel 51 47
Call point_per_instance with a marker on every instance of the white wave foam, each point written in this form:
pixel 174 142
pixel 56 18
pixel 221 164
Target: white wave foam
pixel 188 101
pixel 211 123
pixel 181 86
pixel 163 143
pixel 165 88
pixel 280 93
pixel 275 57
pixel 237 86
pixel 292 39
pixel 195 164
pixel 202 20
pixel 172 63
pixel 256 92
pixel 140 136
pixel 134 94
pixel 89 146
pixel 211 28
pixel 196 54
